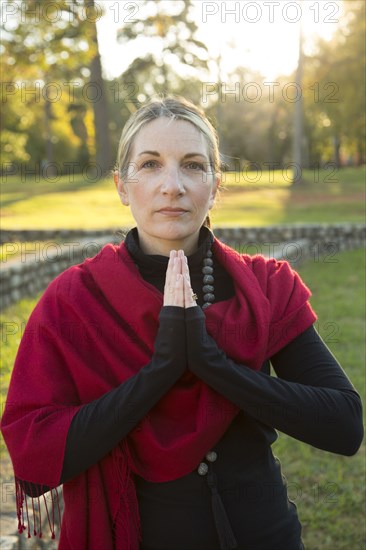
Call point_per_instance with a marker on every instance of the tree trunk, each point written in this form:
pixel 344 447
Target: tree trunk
pixel 361 153
pixel 104 157
pixel 49 166
pixel 298 119
pixel 336 151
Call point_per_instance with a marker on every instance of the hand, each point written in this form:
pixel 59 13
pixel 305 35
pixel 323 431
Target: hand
pixel 189 300
pixel 177 290
pixel 173 289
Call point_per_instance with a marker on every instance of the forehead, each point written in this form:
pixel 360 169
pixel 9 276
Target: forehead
pixel 168 135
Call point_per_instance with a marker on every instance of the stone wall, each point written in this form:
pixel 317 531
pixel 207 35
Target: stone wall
pixel 32 259
pixel 57 235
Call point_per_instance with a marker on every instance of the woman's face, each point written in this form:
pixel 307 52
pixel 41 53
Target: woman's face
pixel 169 186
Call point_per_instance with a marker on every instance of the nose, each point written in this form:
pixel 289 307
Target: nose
pixel 172 183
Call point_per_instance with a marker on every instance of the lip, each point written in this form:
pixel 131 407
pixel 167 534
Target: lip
pixel 172 211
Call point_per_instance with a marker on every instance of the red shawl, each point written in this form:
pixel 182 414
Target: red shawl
pixel 94 328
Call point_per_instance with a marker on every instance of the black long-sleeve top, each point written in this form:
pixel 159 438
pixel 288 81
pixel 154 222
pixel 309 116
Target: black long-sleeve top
pixel 311 399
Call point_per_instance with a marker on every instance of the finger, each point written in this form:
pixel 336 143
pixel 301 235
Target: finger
pixel 172 256
pixel 185 269
pixel 179 291
pixel 177 269
pixel 189 297
pixel 175 295
pixel 173 292
pixel 169 271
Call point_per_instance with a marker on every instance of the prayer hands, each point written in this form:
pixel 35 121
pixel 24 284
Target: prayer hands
pixel 177 289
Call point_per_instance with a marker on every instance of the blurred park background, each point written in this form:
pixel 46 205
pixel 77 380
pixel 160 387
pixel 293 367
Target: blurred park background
pixel 284 84
pixel 73 71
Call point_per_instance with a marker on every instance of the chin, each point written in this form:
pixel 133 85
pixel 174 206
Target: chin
pixel 175 231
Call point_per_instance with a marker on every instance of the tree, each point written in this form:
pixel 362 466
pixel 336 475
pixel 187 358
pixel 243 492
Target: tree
pixel 104 158
pixel 298 125
pixel 175 45
pixel 335 84
pixel 44 41
pixel 50 55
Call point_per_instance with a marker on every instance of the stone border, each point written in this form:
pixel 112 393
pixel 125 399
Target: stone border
pixel 269 233
pixel 53 251
pixel 31 235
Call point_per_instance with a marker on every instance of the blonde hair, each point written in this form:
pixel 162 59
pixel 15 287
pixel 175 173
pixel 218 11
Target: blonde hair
pixel 175 108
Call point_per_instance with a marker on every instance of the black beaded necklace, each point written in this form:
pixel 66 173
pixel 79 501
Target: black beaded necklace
pixel 208 280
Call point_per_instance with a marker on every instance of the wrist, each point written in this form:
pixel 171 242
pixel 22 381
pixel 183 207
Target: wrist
pixel 196 336
pixel 172 312
pixel 194 314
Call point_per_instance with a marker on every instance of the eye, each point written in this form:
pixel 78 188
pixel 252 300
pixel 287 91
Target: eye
pixel 149 164
pixel 195 166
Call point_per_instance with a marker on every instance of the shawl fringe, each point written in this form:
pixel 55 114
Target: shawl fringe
pixel 30 516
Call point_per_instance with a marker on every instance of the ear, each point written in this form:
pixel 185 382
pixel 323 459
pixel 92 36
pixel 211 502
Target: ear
pixel 121 188
pixel 215 187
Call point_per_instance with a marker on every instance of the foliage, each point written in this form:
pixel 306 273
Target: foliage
pixel 335 85
pixel 46 68
pixel 254 131
pixel 50 114
pixel 169 33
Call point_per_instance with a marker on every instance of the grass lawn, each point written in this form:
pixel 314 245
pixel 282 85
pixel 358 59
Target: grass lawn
pixel 247 198
pixel 328 489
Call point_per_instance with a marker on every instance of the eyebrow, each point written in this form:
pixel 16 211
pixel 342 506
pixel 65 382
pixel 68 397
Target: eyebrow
pixel 157 154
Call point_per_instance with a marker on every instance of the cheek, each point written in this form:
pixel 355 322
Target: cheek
pixel 206 196
pixel 139 202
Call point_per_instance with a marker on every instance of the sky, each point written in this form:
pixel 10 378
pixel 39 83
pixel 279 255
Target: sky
pixel 261 35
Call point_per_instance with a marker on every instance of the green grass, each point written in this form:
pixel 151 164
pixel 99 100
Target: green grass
pixel 12 323
pixel 64 204
pixel 328 489
pixel 246 199
pixel 325 197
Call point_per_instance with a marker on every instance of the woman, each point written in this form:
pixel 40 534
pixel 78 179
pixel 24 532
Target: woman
pixel 142 380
